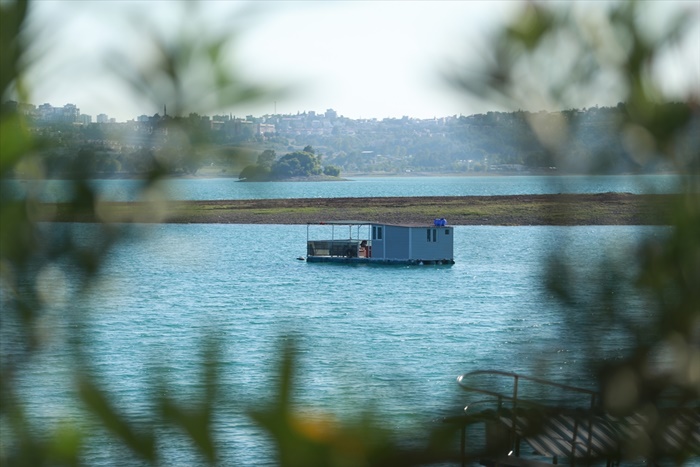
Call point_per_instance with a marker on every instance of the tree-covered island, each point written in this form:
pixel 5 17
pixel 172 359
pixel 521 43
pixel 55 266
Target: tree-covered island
pixel 298 164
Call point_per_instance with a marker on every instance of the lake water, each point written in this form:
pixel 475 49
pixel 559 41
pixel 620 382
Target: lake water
pixel 392 338
pixel 227 188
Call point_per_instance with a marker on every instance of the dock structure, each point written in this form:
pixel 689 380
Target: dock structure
pixel 562 422
pixel 363 242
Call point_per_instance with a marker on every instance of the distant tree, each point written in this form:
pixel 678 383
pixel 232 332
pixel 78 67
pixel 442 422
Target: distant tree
pixel 267 158
pixel 297 164
pixel 85 159
pixel 331 170
pixel 254 173
pixel 287 168
pixel 107 163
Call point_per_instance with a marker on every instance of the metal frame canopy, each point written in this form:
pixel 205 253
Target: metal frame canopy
pixel 349 223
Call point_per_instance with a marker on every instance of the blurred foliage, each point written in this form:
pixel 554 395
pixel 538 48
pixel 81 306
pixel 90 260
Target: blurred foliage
pixel 552 56
pixel 664 359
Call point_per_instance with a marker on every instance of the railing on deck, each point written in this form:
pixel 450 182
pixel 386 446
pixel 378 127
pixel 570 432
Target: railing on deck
pixel 344 248
pixel 513 398
pixel 559 420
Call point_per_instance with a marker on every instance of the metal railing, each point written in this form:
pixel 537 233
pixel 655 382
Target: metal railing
pixel 513 399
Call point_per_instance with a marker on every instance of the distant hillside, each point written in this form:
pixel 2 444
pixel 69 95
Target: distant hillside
pixel 598 140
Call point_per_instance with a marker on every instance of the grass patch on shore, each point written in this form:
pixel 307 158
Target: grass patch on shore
pixel 584 209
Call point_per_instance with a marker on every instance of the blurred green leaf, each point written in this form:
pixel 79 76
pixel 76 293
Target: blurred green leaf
pixel 12 48
pixel 100 404
pixel 196 420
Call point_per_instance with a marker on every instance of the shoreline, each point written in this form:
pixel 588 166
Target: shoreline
pixel 347 177
pixel 513 210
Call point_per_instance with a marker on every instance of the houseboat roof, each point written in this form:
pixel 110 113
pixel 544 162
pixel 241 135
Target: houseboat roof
pixel 348 222
pixel 359 222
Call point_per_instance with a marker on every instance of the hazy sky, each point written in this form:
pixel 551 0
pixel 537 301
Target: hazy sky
pixel 364 59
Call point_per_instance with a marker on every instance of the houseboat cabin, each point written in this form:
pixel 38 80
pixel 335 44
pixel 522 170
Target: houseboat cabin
pixel 369 242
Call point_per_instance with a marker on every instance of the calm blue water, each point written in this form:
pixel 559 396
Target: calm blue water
pixel 217 189
pixel 389 338
pixel 392 338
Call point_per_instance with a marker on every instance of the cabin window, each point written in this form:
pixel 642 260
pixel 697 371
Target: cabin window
pixel 428 232
pixel 435 235
pixel 447 231
pixel 432 235
pixel 376 233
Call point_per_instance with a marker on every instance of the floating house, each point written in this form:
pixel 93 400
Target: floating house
pixel 370 242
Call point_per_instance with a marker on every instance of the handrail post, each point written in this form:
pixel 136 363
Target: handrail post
pixel 573 442
pixel 590 426
pixel 515 445
pixel 463 444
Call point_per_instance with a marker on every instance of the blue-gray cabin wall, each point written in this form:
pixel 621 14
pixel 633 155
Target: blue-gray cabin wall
pixel 402 243
pixel 378 246
pixel 397 242
pixel 424 249
pixel 445 243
